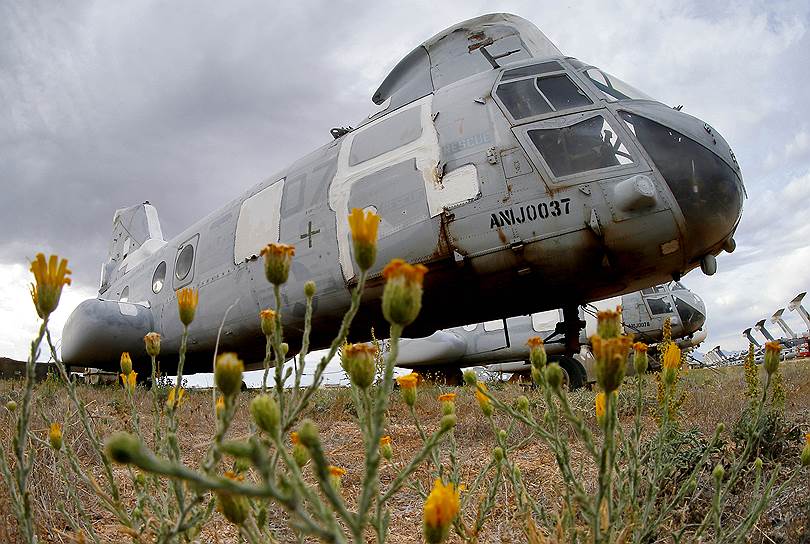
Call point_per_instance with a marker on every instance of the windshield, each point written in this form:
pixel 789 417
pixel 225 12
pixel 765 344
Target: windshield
pixel 613 88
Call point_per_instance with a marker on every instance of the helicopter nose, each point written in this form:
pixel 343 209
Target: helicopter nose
pixel 700 170
pixel 692 312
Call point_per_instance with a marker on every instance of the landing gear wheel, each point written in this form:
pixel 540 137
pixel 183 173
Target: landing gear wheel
pixel 574 375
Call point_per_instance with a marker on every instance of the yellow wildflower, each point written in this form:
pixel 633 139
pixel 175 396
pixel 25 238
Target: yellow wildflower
pixel 364 237
pixel 483 401
pixel 609 323
pixel 173 402
pixel 187 299
pixel 130 381
pixel 671 363
pixel 220 406
pixel 447 397
pixel 441 508
pixel 49 279
pixel 294 438
pixel 234 507
pixel 55 436
pixel 336 471
pixel 537 352
pixel 407 385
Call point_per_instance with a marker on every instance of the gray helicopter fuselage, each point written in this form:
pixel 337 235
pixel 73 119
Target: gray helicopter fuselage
pixel 522 187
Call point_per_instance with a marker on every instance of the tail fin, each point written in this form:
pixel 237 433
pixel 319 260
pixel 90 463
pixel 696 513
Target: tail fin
pixel 132 228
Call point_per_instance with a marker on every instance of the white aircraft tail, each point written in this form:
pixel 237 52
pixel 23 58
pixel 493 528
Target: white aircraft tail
pixel 133 227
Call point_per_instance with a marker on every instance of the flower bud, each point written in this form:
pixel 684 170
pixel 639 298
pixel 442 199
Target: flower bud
pixel 691 485
pixel 402 295
pixel 497 454
pixel 267 318
pixel 11 406
pixel 522 404
pixel 407 387
pixel 126 363
pixel 611 360
pixel 609 323
pixel 470 377
pixel 228 373
pixel 640 359
pixel 152 342
pixel 386 450
pixel 266 414
pixel 671 364
pixel 234 507
pixel 502 435
pixel 55 436
pixel 537 352
pixel 336 476
pixel 308 434
pixel 220 406
pixel 772 350
pixel 363 227
pixel 140 479
pixel 284 348
pixel 483 400
pixel 718 473
pixel 123 448
pixel 277 261
pixel 299 451
pixel 309 289
pixel 448 401
pixel 758 464
pixel 187 299
pixel 554 376
pixel 359 362
pixel 448 422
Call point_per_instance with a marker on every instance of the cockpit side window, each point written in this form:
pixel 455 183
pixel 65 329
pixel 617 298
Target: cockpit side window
pixel 532 95
pixel 584 146
pixel 659 306
pixel 613 88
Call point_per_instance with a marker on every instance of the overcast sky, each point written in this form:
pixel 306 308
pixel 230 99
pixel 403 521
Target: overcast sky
pixel 187 103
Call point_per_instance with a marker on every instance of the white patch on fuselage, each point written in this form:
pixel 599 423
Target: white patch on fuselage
pixel 425 151
pixel 259 222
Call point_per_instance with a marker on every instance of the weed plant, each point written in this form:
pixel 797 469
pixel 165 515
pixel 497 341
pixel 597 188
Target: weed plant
pixel 641 492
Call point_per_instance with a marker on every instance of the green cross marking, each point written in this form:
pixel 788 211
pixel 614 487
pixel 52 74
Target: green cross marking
pixel 310 233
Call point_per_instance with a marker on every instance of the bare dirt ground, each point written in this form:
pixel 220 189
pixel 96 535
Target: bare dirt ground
pixel 713 397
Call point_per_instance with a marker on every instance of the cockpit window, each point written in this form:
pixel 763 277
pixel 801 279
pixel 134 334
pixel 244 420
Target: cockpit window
pixel 532 70
pixel 659 306
pixel 588 145
pixel 614 88
pixel 540 95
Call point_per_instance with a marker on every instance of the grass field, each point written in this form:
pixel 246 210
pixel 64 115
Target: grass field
pixel 714 396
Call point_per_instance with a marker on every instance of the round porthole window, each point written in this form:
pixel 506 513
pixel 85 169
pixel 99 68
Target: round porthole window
pixel 184 261
pixel 159 277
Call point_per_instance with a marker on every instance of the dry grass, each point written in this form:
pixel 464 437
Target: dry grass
pixel 713 397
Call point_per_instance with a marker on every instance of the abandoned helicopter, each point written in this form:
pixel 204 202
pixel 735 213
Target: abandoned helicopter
pixel 527 177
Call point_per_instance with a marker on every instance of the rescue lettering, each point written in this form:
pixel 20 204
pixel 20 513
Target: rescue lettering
pixel 530 212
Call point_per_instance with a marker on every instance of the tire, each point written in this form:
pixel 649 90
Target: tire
pixel 574 373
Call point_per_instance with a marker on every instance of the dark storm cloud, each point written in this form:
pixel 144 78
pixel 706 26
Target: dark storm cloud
pixel 105 108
